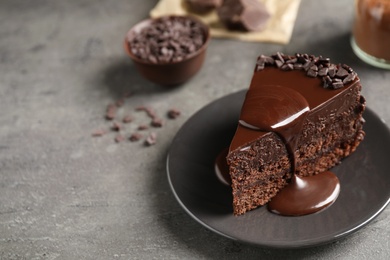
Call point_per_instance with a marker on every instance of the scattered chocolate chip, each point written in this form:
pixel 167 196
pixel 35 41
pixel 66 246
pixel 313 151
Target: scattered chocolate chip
pixel 127 119
pixel 119 138
pixel 157 122
pixel 151 139
pixel 98 132
pixel 120 102
pixel 149 111
pixel 116 126
pixel 173 113
pixel 143 127
pixel 111 112
pixel 135 137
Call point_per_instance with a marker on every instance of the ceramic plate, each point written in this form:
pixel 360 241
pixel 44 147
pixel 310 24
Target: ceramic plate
pixel 364 180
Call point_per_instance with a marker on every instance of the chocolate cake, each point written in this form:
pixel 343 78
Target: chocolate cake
pixel 301 116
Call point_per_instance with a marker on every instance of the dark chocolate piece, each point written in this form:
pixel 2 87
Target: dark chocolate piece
pixel 135 137
pixel 173 113
pixel 246 15
pixel 151 139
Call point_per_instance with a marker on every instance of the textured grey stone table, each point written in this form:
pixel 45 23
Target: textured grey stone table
pixel 67 195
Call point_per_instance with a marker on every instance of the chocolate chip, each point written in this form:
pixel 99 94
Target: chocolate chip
pixel 347 68
pixel 279 56
pixel 127 119
pixel 298 66
pixel 323 72
pixel 308 64
pixel 341 73
pixel 351 77
pixel 111 112
pixel 116 126
pixel 135 137
pixel 151 139
pixel 292 61
pixel 98 132
pixel 287 67
pixel 326 82
pixel 312 73
pixel 337 83
pixel 157 122
pixel 143 127
pixel 314 68
pixel 332 71
pixel 173 113
pixel 278 63
pixel 119 138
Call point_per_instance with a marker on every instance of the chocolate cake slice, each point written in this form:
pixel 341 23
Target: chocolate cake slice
pixel 302 115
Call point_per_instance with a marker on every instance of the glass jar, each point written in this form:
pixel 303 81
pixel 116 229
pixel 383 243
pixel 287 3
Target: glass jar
pixel 371 32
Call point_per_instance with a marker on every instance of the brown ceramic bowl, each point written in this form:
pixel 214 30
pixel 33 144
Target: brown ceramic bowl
pixel 173 72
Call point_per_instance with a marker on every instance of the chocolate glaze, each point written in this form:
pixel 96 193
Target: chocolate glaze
pixel 306 195
pixel 279 101
pixel 271 108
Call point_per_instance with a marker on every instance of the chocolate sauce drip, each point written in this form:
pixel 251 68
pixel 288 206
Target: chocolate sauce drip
pixel 306 195
pixel 276 109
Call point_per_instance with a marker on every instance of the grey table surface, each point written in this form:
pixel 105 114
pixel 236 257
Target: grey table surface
pixel 66 195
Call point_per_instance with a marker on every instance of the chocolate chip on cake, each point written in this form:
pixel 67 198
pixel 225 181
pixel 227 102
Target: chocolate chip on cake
pixel 333 76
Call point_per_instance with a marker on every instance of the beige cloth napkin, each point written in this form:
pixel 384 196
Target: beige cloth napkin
pixel 278 30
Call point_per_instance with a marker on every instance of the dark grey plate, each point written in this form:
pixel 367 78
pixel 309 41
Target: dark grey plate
pixel 364 179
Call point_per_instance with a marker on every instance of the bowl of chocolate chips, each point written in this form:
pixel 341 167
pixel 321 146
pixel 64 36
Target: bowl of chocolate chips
pixel 168 50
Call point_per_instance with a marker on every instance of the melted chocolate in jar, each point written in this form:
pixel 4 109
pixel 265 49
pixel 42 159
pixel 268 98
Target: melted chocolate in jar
pixel 283 110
